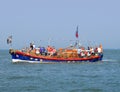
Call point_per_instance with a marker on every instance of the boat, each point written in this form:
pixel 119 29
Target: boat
pixel 70 54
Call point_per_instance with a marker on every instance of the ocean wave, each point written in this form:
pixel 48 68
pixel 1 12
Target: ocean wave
pixel 111 60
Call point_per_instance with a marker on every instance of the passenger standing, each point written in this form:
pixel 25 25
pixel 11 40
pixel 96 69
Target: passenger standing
pixel 31 46
pixel 78 51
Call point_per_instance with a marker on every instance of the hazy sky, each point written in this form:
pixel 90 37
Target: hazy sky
pixel 40 20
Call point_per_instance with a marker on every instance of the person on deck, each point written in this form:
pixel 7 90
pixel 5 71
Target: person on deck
pixel 42 50
pixel 78 52
pixel 99 49
pixel 31 46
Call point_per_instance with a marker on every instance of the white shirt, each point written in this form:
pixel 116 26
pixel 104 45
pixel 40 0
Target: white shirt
pixel 78 51
pixel 99 50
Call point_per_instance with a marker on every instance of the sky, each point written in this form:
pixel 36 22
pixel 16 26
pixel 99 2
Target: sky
pixel 54 22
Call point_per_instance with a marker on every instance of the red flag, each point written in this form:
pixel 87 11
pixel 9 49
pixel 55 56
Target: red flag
pixel 76 32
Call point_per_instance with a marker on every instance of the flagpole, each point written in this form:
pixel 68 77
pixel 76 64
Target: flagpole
pixel 77 36
pixel 11 45
pixel 9 41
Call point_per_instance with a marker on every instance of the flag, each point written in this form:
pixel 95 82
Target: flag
pixel 76 32
pixel 9 40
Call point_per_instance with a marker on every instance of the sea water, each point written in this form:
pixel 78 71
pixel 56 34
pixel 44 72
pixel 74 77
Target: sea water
pixel 61 77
